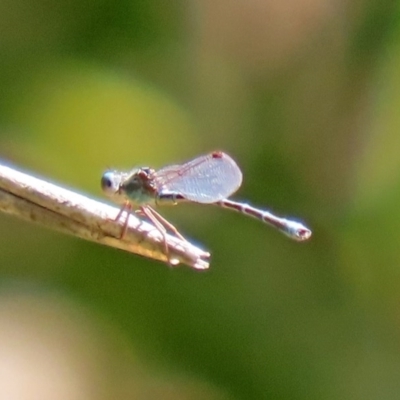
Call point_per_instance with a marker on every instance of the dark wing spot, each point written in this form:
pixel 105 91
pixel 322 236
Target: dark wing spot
pixel 217 154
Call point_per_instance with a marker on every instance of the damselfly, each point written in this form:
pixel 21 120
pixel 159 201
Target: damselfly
pixel 208 179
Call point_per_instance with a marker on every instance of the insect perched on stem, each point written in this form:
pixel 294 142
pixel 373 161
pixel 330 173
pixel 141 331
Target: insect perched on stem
pixel 208 179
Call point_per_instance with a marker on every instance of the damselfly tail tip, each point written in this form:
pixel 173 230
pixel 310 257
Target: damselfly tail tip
pixel 303 234
pixel 298 231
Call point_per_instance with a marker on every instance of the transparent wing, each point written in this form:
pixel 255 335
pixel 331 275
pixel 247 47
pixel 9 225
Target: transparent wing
pixel 205 179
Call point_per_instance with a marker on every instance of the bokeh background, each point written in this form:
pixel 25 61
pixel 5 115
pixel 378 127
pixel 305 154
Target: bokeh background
pixel 305 95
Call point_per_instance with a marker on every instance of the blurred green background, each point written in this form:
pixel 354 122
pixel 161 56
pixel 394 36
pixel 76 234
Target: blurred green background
pixel 305 96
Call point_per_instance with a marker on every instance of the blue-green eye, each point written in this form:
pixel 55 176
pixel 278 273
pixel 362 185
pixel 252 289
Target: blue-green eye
pixel 109 182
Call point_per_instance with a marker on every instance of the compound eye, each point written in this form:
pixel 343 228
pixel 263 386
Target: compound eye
pixel 108 182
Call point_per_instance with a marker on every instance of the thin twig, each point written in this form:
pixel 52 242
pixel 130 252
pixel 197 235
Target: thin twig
pixel 57 208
